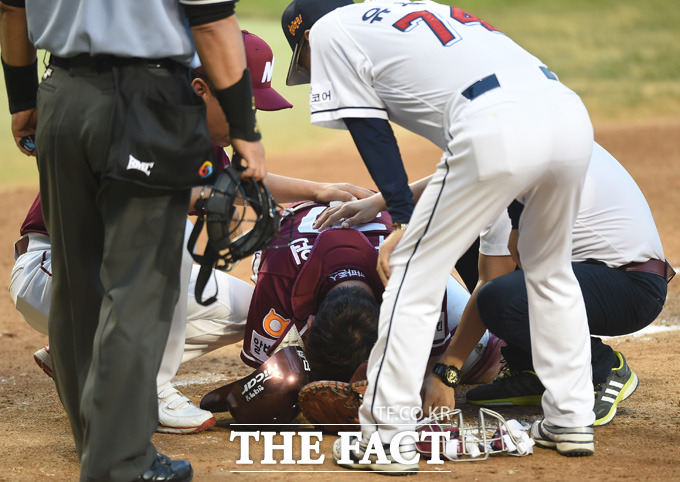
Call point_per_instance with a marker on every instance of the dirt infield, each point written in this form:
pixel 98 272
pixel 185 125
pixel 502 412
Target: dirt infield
pixel 640 444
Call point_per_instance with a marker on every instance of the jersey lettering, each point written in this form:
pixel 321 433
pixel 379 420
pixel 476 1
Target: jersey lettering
pixel 445 33
pixel 300 249
pixel 413 19
pixel 373 15
pixel 463 17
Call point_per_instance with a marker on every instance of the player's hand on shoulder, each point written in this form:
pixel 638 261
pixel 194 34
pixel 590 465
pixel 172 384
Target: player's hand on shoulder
pixel 252 154
pixel 340 191
pixel 437 396
pixel 351 213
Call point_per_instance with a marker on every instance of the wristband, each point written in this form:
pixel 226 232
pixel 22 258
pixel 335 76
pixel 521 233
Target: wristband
pixel 206 13
pixel 22 86
pixel 238 104
pixel 399 226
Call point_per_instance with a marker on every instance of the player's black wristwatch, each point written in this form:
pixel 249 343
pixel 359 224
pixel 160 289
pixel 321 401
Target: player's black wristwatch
pixel 449 374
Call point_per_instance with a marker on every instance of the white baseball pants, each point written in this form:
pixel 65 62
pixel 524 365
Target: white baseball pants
pixel 531 136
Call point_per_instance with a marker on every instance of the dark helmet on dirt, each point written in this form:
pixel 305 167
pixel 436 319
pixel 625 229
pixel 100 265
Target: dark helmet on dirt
pixel 268 395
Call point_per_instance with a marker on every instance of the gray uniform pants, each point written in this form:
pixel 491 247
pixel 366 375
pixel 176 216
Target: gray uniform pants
pixel 116 249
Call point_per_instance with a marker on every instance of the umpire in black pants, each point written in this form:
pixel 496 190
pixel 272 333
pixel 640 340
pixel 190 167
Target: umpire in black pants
pixel 120 139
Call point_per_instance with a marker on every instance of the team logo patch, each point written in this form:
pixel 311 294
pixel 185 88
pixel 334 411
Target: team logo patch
pixel 295 24
pixel 137 165
pixel 274 324
pixel 206 169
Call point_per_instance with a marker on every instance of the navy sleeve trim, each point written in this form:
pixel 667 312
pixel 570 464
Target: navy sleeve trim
pixel 378 147
pixel 349 108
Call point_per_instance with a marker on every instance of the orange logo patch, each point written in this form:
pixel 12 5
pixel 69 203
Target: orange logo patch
pixel 295 24
pixel 274 324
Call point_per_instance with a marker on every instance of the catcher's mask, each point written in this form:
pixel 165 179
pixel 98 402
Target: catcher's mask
pixel 226 218
pixel 466 443
pixel 269 395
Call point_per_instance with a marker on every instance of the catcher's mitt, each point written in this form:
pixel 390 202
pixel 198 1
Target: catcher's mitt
pixel 332 406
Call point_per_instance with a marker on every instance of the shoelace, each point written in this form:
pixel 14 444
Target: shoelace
pixel 505 371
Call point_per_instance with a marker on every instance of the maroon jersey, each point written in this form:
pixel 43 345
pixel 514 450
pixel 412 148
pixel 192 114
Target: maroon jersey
pixel 34 222
pixel 292 280
pixel 221 158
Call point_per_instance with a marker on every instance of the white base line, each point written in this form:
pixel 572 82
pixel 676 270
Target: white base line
pixel 333 471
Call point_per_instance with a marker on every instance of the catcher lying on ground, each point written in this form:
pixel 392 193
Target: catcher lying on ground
pixel 325 286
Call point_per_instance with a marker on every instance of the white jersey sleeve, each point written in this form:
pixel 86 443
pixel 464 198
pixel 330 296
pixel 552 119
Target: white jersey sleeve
pixel 341 83
pixel 493 240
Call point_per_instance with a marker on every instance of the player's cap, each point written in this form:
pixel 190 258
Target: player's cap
pixel 297 18
pixel 261 64
pixel 260 60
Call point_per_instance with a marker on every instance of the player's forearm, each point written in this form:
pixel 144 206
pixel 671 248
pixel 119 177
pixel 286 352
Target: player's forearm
pixel 471 328
pixel 220 46
pixel 417 189
pixel 287 189
pixel 378 148
pixel 468 333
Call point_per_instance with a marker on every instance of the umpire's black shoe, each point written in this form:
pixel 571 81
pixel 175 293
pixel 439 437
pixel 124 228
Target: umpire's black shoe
pixel 164 469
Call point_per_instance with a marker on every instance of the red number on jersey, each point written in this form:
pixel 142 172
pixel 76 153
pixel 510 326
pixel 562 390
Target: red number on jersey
pixel 409 21
pixel 463 17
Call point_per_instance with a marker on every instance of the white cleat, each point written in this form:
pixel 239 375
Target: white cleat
pixel 44 360
pixel 177 414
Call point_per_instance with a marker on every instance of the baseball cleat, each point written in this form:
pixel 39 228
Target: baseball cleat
pixel 177 414
pixel 44 360
pixel 568 441
pixel 356 459
pixel 619 385
pixel 511 387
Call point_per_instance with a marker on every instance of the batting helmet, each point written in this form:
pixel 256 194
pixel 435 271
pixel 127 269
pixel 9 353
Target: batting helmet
pixel 266 396
pixel 233 232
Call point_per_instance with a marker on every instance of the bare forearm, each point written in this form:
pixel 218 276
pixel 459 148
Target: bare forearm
pixel 471 328
pixel 469 332
pixel 16 48
pixel 220 47
pixel 417 189
pixel 287 189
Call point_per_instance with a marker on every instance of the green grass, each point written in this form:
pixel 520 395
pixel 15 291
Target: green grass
pixel 621 56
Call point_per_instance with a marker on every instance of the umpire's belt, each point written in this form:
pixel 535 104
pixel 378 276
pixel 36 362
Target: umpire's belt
pixel 102 63
pixel 655 266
